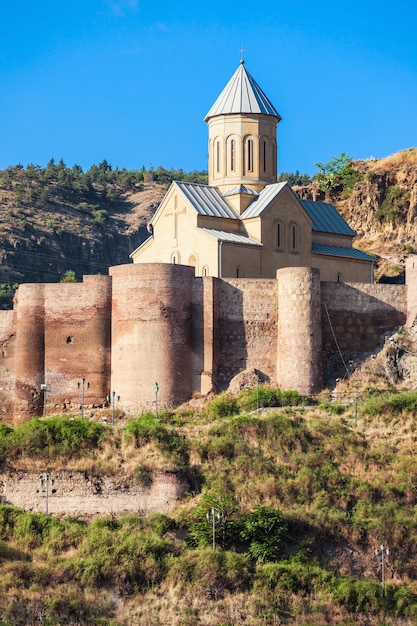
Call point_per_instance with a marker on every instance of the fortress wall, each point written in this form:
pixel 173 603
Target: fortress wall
pixel 299 353
pixel 361 313
pixel 77 341
pixel 247 328
pixel 204 334
pixel 30 349
pixel 411 281
pixel 151 334
pixel 7 364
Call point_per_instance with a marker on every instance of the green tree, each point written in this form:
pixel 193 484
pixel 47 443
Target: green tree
pixel 69 277
pixel 337 174
pixel 263 529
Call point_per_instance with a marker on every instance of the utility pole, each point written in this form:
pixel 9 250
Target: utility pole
pixel 382 554
pixel 215 516
pixel 113 396
pixel 45 481
pixel 83 384
pixel 156 389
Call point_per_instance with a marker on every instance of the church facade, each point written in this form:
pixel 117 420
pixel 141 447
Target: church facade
pixel 237 274
pixel 244 224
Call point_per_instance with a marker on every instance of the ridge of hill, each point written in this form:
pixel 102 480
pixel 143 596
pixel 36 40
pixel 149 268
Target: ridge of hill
pixel 381 206
pixel 56 219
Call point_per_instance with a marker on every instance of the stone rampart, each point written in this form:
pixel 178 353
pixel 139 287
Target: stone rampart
pixel 80 493
pixel 247 333
pixel 299 354
pixel 151 334
pixel 158 323
pixel 358 314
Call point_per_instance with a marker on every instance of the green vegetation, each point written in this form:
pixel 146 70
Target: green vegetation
pixel 295 178
pixel 7 292
pixel 337 175
pixel 295 499
pixel 393 205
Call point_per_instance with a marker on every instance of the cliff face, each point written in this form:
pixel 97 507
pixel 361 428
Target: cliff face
pixel 39 242
pixel 382 208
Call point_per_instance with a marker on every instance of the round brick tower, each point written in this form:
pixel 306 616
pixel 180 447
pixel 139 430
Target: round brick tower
pixel 151 334
pixel 30 349
pixel 299 346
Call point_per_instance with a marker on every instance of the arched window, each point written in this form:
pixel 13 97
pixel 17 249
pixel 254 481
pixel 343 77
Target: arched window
pixel 293 237
pixel 339 277
pixel 175 257
pixel 232 155
pixel 217 155
pixel 249 155
pixel 264 149
pixel 238 272
pixel 205 271
pixel 278 235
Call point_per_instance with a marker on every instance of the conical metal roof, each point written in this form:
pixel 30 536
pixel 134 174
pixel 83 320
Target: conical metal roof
pixel 242 94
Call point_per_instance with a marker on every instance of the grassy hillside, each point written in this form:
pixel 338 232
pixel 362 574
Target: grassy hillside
pixel 301 498
pixel 56 219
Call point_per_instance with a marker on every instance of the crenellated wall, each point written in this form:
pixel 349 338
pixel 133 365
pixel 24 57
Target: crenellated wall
pixel 148 323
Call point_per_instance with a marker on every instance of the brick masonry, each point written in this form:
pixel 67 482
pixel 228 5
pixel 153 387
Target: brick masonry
pixel 147 323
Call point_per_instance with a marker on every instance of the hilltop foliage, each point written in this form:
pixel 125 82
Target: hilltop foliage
pixel 299 498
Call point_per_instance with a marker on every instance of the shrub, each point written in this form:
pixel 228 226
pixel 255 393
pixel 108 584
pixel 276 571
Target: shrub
pixel 222 406
pixel 393 205
pixel 263 529
pixel 56 436
pixel 147 429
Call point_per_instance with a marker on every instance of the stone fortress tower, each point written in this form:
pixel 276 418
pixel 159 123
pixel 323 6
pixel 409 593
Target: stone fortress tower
pixel 237 274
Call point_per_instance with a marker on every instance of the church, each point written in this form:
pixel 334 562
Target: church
pixel 239 274
pixel 244 224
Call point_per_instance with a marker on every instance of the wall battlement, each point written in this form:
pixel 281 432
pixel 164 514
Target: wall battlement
pixel 148 323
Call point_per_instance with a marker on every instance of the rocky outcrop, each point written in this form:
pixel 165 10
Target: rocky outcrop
pixel 382 207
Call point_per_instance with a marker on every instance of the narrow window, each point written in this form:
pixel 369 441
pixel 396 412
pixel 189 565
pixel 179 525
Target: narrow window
pixel 294 237
pixel 205 271
pixel 250 155
pixel 279 235
pixel 218 156
pixel 264 155
pixel 339 278
pixel 238 273
pixel 232 155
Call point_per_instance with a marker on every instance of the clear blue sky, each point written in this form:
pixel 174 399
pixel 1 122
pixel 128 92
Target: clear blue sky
pixel 130 81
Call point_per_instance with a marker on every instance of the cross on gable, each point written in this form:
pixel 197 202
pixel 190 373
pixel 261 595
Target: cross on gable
pixel 175 213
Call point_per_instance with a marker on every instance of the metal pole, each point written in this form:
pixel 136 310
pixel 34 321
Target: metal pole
pixel 82 400
pixel 46 493
pixel 156 389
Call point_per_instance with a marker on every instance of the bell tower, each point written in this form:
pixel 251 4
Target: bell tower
pixel 242 127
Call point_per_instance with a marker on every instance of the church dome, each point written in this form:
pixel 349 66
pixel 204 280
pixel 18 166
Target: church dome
pixel 242 94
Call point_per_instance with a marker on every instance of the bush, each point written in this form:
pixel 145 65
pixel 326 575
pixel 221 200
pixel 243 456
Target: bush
pixel 147 429
pixel 56 436
pixel 222 406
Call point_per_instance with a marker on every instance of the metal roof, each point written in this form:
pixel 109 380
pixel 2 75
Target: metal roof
pixel 326 219
pixel 264 199
pixel 350 253
pixel 242 94
pixel 224 235
pixel 242 190
pixel 207 200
